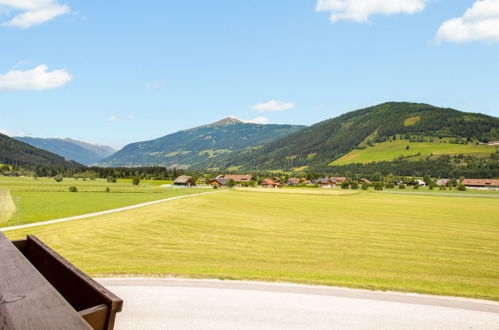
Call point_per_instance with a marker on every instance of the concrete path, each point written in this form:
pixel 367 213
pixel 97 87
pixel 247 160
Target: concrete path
pixel 104 212
pixel 214 304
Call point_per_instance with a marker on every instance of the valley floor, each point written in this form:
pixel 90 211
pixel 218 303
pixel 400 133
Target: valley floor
pixel 414 243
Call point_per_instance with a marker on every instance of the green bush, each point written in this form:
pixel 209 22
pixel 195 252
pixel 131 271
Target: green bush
pixel 107 189
pixel 390 185
pixel 345 185
pixel 402 186
pixel 58 178
pixel 111 179
pixel 73 189
pixel 215 187
pixel 135 181
pixel 461 187
pixel 354 185
pixel 416 187
pixel 378 186
pixel 365 186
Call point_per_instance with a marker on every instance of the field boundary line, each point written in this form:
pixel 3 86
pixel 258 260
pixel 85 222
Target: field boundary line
pixel 89 215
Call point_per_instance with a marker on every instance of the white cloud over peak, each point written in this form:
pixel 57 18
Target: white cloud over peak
pixel 360 10
pixel 258 120
pixel 479 23
pixel 35 79
pixel 272 106
pixel 32 12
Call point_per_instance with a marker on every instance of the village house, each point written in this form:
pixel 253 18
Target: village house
pixel 237 178
pixel 184 181
pixel 442 182
pixel 293 182
pixel 481 184
pixel 330 182
pixel 419 183
pixel 222 182
pixel 268 183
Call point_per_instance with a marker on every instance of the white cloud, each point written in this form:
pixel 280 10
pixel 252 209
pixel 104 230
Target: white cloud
pixel 112 118
pixel 360 10
pixel 273 106
pixel 258 120
pixel 35 79
pixel 13 133
pixel 32 12
pixel 479 23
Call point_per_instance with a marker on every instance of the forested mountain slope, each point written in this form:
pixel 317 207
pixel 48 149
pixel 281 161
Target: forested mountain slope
pixel 329 140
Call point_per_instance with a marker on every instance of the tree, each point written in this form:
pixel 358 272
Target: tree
pixel 58 178
pixel 135 181
pixel 407 147
pixel 231 183
pixel 461 187
pixel 73 189
pixel 345 185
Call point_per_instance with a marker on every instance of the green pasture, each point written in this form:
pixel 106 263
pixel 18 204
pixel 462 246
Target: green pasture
pixel 26 200
pixel 405 242
pixel 387 151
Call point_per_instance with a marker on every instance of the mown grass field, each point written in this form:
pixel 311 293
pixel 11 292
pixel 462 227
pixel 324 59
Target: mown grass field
pixel 392 150
pixel 429 244
pixel 25 200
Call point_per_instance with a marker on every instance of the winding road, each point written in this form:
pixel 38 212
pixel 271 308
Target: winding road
pixel 215 304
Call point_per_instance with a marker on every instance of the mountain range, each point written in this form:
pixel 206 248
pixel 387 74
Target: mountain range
pixel 192 147
pixel 385 132
pixel 14 152
pixel 323 143
pixel 79 151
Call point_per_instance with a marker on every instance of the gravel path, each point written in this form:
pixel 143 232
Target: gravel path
pixel 104 212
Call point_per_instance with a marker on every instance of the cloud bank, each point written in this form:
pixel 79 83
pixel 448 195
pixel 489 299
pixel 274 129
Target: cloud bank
pixel 479 23
pixel 36 79
pixel 360 10
pixel 32 12
pixel 273 105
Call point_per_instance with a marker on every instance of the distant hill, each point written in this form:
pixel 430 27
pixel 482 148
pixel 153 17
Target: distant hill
pixel 188 148
pixel 81 152
pixel 365 129
pixel 14 152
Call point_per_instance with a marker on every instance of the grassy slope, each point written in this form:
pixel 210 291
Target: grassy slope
pixel 45 199
pixel 387 151
pixel 428 244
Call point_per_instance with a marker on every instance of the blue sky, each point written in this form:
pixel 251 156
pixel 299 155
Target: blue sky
pixel 119 72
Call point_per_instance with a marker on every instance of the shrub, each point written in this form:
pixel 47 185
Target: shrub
pixel 135 181
pixel 402 186
pixel 73 189
pixel 355 186
pixel 345 185
pixel 390 185
pixel 378 186
pixel 416 187
pixel 58 178
pixel 111 179
pixel 461 187
pixel 365 186
pixel 215 187
pixel 107 189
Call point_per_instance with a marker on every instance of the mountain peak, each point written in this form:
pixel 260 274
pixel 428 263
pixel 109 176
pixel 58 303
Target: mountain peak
pixel 226 122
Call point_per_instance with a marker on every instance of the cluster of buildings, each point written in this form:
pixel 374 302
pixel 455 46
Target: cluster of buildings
pixel 230 180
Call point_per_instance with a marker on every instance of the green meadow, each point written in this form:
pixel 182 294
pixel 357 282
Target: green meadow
pixel 387 151
pixel 26 200
pixel 438 244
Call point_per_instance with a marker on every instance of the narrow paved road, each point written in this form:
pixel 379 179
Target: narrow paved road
pixel 131 207
pixel 213 304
